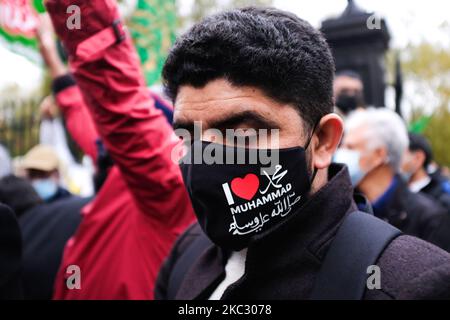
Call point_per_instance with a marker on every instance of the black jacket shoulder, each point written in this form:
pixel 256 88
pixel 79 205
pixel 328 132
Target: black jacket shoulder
pixel 182 243
pixel 45 229
pixel 413 269
pixel 415 214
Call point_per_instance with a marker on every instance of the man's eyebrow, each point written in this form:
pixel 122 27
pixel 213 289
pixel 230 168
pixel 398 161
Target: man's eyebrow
pixel 233 120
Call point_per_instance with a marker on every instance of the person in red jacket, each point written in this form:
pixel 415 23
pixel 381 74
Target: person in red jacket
pixel 128 230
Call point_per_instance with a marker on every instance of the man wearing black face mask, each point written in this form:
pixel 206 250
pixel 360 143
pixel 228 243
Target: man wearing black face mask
pixel 271 234
pixel 348 91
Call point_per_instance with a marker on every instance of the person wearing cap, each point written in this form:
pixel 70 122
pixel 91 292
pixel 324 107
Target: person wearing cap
pixel 41 165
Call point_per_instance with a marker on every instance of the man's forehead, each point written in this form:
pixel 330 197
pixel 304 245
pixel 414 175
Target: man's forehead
pixel 219 99
pixel 195 104
pixel 219 89
pixel 210 111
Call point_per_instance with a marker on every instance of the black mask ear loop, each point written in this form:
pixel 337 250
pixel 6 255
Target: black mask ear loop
pixel 307 146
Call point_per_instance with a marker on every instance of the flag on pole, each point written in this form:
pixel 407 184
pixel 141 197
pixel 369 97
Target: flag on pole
pixel 153 29
pixel 419 125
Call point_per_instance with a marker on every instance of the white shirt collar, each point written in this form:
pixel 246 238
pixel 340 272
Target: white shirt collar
pixel 420 184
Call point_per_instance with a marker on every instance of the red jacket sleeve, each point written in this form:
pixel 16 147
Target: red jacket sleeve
pixel 136 135
pixel 78 120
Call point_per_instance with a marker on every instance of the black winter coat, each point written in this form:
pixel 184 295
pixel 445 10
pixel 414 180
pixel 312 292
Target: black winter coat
pixel 45 231
pixel 415 214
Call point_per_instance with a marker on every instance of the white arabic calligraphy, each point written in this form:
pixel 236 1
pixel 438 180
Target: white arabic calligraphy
pixel 284 207
pixel 275 180
pixel 254 225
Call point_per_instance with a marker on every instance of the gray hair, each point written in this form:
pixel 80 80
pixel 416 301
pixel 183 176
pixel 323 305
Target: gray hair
pixel 385 128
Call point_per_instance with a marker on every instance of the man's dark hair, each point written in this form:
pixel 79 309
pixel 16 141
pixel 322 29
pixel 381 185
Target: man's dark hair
pixel 272 50
pixel 420 143
pixel 18 194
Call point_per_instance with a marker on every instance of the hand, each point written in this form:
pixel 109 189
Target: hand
pixel 45 33
pixel 48 108
pixel 47 46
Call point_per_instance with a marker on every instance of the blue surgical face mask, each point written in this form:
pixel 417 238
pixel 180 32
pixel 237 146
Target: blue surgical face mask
pixel 406 176
pixel 351 159
pixel 45 188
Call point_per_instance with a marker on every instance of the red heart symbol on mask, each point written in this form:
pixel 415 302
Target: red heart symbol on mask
pixel 245 188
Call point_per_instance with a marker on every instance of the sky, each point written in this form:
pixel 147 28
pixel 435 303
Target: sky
pixel 16 70
pixel 410 21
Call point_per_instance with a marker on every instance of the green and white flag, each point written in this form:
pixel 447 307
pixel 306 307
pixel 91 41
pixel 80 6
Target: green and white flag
pixel 152 24
pixel 18 22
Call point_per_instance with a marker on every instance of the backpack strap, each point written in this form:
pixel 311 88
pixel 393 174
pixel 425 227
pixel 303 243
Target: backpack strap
pixel 184 263
pixel 358 244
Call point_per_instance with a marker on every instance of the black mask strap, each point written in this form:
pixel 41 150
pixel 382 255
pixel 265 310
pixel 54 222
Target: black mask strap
pixel 312 134
pixel 307 146
pixel 313 176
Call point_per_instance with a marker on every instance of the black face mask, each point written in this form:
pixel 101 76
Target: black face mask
pixel 348 103
pixel 237 204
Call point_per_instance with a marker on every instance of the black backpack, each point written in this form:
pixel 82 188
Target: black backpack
pixel 358 244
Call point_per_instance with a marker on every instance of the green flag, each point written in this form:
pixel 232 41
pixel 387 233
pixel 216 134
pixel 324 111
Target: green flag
pixel 153 26
pixel 419 125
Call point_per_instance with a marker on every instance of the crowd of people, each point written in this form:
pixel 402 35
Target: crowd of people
pixel 349 187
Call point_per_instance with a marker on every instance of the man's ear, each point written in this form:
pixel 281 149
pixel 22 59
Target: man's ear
pixel 326 140
pixel 380 155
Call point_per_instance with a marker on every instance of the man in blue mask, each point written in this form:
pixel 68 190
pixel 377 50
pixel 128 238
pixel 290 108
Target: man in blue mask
pixel 373 148
pixel 41 165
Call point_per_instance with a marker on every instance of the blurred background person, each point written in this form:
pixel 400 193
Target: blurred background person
pixel 373 146
pixel 41 165
pixel 415 166
pixel 348 90
pixel 18 194
pixel 45 228
pixel 415 170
